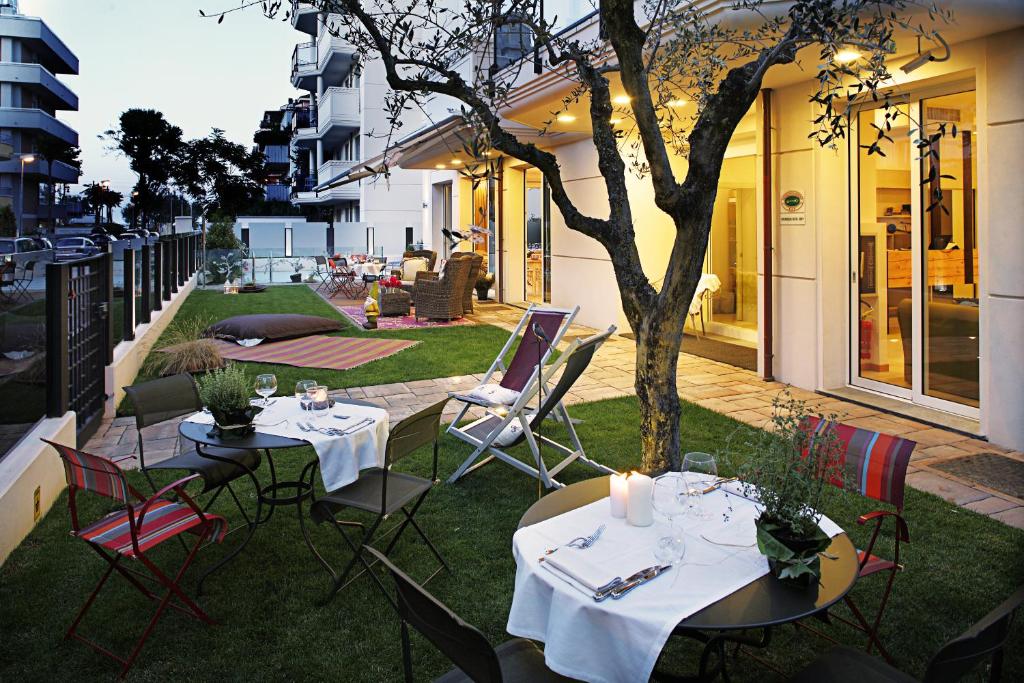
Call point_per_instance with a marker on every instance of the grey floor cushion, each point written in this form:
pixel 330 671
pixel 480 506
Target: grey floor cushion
pixel 271 326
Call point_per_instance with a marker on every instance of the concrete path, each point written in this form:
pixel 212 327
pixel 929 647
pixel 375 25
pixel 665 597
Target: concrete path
pixel 725 389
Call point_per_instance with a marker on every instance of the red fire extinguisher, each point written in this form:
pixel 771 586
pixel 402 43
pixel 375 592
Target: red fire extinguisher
pixel 865 338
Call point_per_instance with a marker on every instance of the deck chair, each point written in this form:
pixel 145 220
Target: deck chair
pixel 500 429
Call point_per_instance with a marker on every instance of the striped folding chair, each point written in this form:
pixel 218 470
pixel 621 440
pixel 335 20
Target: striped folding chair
pixel 130 533
pixel 875 466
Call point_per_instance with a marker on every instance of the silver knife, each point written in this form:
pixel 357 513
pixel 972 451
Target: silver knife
pixel 357 426
pixel 605 591
pixel 649 575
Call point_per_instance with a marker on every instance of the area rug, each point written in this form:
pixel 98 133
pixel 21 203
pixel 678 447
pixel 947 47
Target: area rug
pixel 316 351
pixel 402 322
pixel 713 349
pixel 988 469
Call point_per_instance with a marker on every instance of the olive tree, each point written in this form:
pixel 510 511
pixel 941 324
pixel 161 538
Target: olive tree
pixel 715 55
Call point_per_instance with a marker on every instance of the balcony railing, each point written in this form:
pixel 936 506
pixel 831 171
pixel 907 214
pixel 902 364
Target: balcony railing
pixel 303 57
pixel 306 118
pixel 303 183
pixel 277 193
pixel 276 154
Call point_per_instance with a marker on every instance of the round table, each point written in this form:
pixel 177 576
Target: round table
pixel 761 604
pixel 269 494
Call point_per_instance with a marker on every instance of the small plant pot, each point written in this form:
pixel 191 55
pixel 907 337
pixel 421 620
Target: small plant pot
pixel 792 559
pixel 296 277
pixel 234 424
pixel 482 292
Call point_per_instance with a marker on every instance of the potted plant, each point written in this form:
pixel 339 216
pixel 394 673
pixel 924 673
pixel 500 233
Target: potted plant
pixel 794 476
pixel 226 394
pixel 483 285
pixel 296 265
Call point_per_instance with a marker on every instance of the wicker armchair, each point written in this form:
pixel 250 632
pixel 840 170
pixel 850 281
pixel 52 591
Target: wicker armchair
pixel 476 262
pixel 430 256
pixel 440 298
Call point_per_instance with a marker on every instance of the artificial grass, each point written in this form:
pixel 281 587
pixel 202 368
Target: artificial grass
pixel 959 565
pixel 442 351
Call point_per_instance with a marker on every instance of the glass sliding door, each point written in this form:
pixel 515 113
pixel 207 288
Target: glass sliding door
pixel 537 236
pixel 915 306
pixel 949 247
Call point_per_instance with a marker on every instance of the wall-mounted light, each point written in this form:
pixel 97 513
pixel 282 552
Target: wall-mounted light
pixel 440 167
pixel 566 118
pixel 847 56
pixel 927 56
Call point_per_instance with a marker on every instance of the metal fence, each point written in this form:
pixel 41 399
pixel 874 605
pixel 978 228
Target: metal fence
pixel 94 303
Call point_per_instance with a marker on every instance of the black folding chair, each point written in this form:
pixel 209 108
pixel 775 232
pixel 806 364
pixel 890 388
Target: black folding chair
pixel 383 493
pixel 476 659
pixel 22 282
pixel 169 397
pixel 323 272
pixel 983 641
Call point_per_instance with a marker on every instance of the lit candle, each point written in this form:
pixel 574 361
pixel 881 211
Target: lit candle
pixel 619 493
pixel 639 508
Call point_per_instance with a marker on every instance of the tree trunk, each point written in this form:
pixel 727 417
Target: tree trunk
pixel 659 338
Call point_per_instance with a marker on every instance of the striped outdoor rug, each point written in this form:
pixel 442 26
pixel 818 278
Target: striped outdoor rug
pixel 316 351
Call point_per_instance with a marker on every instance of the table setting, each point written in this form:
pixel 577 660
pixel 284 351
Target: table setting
pixel 621 573
pixel 347 438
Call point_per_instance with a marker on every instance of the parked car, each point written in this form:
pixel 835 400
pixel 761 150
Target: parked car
pixel 101 239
pixel 130 235
pixel 42 243
pixel 16 245
pixel 69 248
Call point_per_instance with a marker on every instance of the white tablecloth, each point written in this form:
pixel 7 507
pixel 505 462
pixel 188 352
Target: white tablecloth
pixel 361 269
pixel 341 457
pixel 620 640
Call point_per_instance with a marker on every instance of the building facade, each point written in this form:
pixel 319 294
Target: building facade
pixel 335 126
pixel 867 294
pixel 31 95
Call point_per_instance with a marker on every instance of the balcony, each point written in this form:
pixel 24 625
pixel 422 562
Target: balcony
pixel 305 131
pixel 277 193
pixel 339 113
pixel 38 120
pixel 303 17
pixel 275 155
pixel 50 51
pixel 328 171
pixel 304 66
pixel 335 56
pixel 61 172
pixel 6 145
pixel 41 82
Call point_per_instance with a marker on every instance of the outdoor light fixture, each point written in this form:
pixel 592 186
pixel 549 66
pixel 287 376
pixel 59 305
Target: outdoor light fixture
pixel 440 167
pixel 621 99
pixel 615 121
pixel 455 162
pixel 675 104
pixel 27 158
pixel 566 118
pixel 925 57
pixel 847 55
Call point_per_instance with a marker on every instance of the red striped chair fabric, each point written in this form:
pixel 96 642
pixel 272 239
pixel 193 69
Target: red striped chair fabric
pixel 163 520
pixel 93 473
pixel 875 463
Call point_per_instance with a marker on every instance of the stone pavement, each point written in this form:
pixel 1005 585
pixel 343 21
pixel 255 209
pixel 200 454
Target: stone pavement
pixel 725 389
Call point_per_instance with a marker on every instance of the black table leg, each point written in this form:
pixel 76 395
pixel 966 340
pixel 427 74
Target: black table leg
pixel 713 656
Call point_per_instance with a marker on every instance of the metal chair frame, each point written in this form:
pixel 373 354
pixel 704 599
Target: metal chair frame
pixel 21 284
pixel 406 437
pixel 113 559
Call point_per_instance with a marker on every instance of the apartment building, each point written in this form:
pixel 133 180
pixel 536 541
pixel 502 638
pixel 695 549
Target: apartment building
pixel 338 123
pixel 274 142
pixel 31 95
pixel 867 294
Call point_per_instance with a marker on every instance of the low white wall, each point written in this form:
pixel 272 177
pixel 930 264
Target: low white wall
pixel 129 355
pixel 31 464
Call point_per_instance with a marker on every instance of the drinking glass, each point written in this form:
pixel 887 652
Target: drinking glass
pixel 302 388
pixel 321 403
pixel 699 472
pixel 667 499
pixel 266 386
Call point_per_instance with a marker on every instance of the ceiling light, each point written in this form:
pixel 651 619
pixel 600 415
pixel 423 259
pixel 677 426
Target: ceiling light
pixel 566 118
pixel 440 167
pixel 455 162
pixel 621 99
pixel 676 103
pixel 847 55
pixel 615 121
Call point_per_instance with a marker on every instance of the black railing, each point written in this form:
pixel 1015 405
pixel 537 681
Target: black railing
pixel 305 118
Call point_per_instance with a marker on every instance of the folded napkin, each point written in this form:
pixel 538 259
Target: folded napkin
pixel 571 563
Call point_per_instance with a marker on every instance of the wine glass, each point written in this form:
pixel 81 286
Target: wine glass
pixel 666 497
pixel 266 386
pixel 699 472
pixel 302 388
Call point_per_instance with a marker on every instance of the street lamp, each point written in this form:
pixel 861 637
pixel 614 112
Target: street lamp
pixel 25 159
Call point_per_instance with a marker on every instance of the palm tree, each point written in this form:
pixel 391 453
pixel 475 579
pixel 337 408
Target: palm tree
pixel 52 149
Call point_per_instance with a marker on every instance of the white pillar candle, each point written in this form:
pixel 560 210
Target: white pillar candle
pixel 618 495
pixel 639 508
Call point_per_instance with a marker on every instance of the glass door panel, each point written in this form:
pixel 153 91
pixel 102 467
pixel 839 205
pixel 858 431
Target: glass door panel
pixel 884 251
pixel 949 247
pixel 537 235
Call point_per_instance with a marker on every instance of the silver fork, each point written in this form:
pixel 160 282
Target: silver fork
pixel 580 542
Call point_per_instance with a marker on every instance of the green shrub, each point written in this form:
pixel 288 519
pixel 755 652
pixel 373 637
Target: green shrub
pixel 221 234
pixel 225 390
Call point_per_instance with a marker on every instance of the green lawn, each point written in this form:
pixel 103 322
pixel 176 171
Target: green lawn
pixel 442 352
pixel 958 566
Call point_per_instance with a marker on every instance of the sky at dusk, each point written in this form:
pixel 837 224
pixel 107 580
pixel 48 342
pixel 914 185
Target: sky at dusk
pixel 160 54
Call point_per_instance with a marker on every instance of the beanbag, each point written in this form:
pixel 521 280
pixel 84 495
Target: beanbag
pixel 271 326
